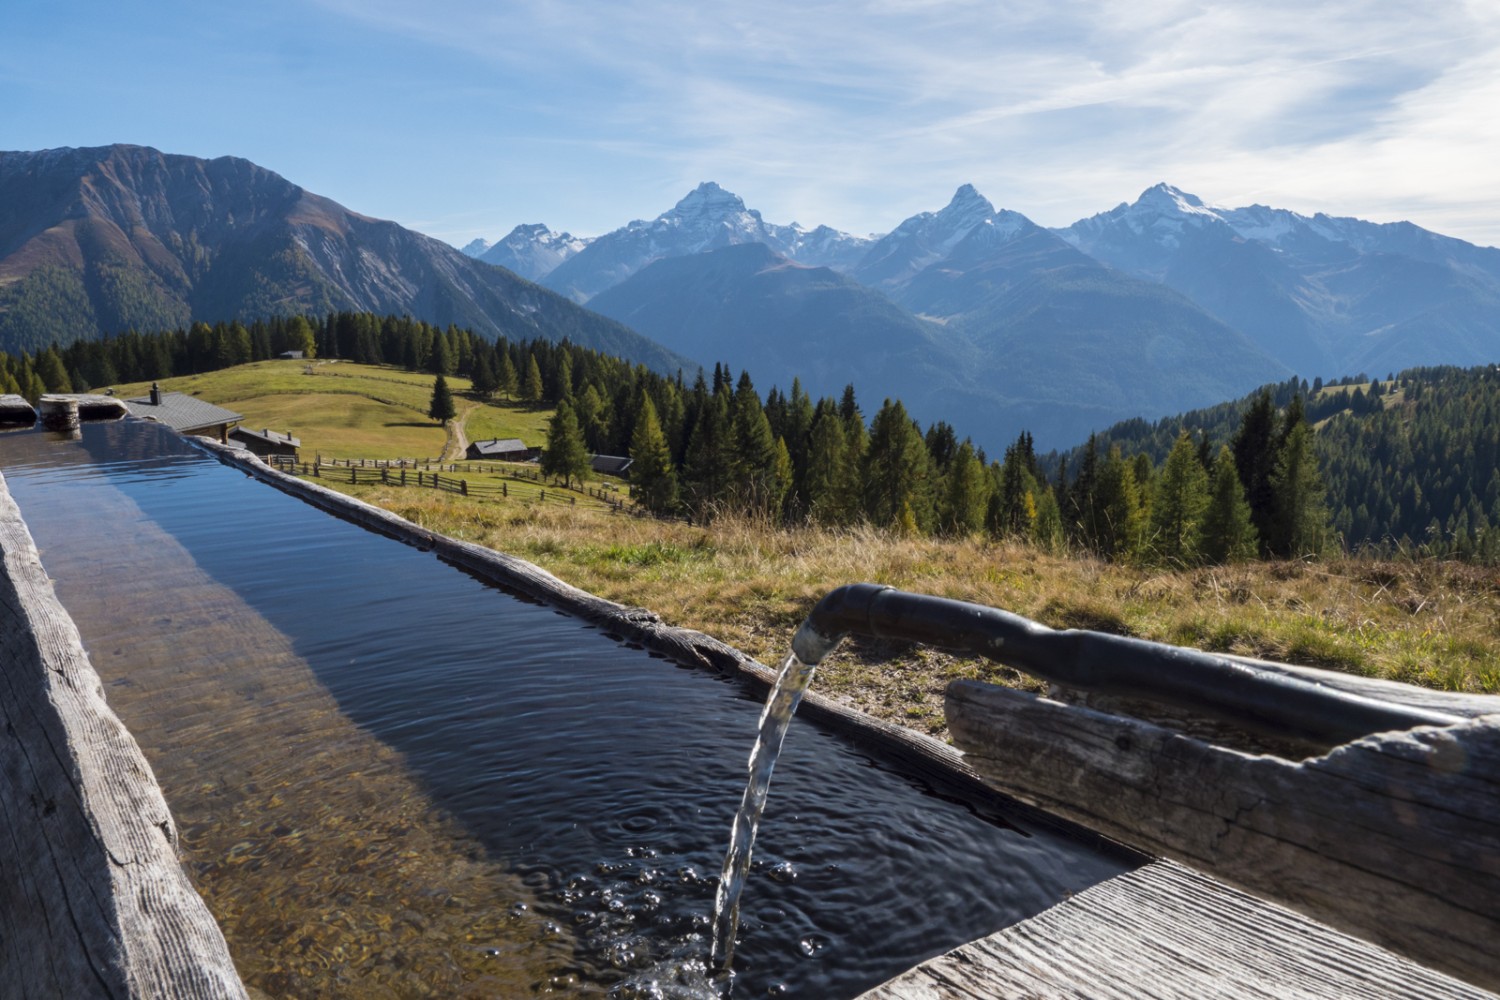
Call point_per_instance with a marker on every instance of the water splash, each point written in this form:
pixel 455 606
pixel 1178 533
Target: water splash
pixel 774 720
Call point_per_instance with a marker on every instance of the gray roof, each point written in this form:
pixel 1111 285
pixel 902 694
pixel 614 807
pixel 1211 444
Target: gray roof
pixel 498 446
pixel 267 435
pixel 182 412
pixel 614 465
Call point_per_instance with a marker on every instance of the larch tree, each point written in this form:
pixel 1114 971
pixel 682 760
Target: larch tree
pixel 653 480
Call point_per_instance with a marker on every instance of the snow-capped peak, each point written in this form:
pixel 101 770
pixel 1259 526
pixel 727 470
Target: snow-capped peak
pixel 708 200
pixel 475 248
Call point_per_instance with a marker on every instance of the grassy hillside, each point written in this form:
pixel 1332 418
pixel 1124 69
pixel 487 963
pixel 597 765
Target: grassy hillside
pixel 1424 622
pixel 347 410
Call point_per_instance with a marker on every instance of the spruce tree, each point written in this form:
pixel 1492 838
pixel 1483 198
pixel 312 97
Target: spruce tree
pixel 896 475
pixel 441 408
pixel 1181 496
pixel 566 456
pixel 1120 512
pixel 653 480
pixel 1300 516
pixel 484 380
pixel 1254 448
pixel 965 493
pixel 1226 534
pixel 753 462
pixel 531 385
pixel 505 378
pixel 826 485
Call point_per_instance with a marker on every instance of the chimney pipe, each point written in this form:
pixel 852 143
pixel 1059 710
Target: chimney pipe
pixel 155 394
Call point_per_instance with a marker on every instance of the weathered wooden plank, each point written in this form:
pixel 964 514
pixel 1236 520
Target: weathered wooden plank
pixel 1394 837
pixel 1165 932
pixel 16 411
pixel 93 899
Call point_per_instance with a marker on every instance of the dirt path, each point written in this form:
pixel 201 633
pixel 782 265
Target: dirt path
pixel 457 444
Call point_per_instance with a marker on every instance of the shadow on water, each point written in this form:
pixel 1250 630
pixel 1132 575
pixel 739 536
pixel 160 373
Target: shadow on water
pixel 604 777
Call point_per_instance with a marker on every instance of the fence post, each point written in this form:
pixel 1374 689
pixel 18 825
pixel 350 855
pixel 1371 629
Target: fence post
pixel 572 501
pixel 463 487
pixel 403 475
pixel 544 496
pixel 503 491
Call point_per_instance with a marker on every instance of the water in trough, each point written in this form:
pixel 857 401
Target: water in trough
pixel 392 779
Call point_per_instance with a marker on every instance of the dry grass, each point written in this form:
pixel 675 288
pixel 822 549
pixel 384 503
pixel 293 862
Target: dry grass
pixel 750 584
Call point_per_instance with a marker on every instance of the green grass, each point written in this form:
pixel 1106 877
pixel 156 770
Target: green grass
pixel 345 410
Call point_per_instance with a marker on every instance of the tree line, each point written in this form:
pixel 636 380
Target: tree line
pixel 1396 464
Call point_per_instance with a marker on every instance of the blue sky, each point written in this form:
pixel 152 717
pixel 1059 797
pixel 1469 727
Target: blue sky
pixel 463 118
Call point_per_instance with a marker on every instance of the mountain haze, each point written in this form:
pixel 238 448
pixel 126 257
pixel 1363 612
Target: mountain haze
pixel 1324 295
pixel 95 241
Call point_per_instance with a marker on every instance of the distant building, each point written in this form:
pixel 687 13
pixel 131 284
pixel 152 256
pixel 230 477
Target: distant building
pixel 501 450
pixel 290 355
pixel 611 465
pixel 183 413
pixel 266 442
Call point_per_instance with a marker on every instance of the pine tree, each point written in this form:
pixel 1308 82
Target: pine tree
pixel 531 385
pixel 965 493
pixel 706 467
pixel 1254 459
pixel 49 368
pixel 1177 508
pixel 1300 517
pixel 484 380
pixel 653 480
pixel 1225 533
pixel 441 408
pixel 827 483
pixel 505 378
pixel 1120 512
pixel 565 456
pixel 897 476
pixel 753 462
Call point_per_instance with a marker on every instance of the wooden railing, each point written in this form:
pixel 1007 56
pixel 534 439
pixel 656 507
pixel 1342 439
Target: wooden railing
pixel 430 475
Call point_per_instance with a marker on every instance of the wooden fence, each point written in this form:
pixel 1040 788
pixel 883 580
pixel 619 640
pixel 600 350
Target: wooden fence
pixel 429 475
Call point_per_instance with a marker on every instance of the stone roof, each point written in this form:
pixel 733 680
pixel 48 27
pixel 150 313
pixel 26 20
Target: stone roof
pixel 182 412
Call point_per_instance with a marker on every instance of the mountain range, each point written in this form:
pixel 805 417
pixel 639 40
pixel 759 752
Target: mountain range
pixel 970 314
pixel 96 241
pixel 1155 306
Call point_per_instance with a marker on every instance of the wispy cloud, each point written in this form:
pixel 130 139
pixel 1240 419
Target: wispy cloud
pixel 857 113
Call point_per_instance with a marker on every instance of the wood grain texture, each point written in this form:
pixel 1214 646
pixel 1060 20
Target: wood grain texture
pixel 1394 837
pixel 93 898
pixel 1165 932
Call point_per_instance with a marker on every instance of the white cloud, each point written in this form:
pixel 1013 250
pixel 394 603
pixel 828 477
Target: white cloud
pixel 858 113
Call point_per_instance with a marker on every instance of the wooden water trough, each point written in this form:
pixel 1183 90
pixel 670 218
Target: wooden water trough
pixel 93 899
pixel 1381 820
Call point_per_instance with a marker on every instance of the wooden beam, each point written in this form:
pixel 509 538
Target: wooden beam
pixel 1394 838
pixel 93 899
pixel 1165 932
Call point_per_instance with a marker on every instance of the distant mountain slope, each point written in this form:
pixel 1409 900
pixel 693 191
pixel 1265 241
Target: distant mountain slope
pixel 754 309
pixel 1321 294
pixel 94 241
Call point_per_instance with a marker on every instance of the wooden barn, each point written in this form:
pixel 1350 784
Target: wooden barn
pixel 266 442
pixel 501 450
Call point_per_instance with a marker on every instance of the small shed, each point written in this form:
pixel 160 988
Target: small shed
pixel 611 465
pixel 290 355
pixel 266 442
pixel 501 450
pixel 183 413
